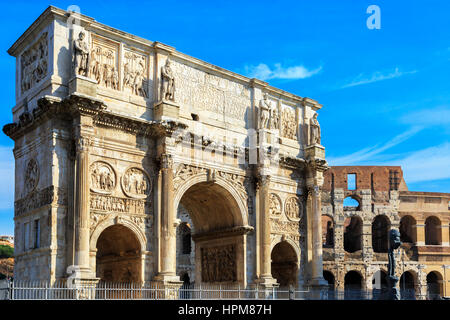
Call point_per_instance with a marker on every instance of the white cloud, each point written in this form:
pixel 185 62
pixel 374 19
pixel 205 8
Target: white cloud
pixel 264 72
pixel 7 177
pixel 428 117
pixel 368 153
pixel 376 76
pixel 429 164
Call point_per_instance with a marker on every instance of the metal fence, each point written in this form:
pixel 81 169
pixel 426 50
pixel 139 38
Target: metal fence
pixel 64 290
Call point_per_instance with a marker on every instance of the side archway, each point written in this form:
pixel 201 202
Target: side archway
pixel 284 264
pixel 119 246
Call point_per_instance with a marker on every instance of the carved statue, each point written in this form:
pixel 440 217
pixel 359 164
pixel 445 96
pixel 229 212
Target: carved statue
pixel 394 243
pixel 81 53
pixel 168 82
pixel 315 130
pixel 264 112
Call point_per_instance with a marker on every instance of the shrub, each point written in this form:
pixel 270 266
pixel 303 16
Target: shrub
pixel 6 252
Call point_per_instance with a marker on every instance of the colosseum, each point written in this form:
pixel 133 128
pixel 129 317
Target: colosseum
pixel 359 205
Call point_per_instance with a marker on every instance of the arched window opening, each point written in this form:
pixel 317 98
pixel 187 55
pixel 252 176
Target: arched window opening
pixel 379 285
pixel 185 235
pixel 352 234
pixel 380 233
pixel 407 286
pixel 353 286
pixel 327 232
pixel 329 277
pixel 407 229
pixel 432 231
pixel 351 203
pixel 434 281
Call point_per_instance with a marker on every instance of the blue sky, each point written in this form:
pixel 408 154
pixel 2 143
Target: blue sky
pixel 385 93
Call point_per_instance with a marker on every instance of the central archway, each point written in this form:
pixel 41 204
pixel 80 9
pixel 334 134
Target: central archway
pixel 219 227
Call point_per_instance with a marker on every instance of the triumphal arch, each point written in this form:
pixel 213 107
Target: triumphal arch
pixel 136 162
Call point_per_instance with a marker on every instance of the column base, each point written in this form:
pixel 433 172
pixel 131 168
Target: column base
pixel 83 282
pixel 318 288
pixel 168 286
pixel 266 286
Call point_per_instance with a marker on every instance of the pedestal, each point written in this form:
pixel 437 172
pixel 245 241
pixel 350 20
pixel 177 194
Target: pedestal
pixel 266 287
pixel 83 86
pixel 315 151
pixel 393 293
pixel 166 110
pixel 168 286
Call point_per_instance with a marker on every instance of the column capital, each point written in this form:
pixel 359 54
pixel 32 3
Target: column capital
pixel 165 161
pixel 262 180
pixel 83 143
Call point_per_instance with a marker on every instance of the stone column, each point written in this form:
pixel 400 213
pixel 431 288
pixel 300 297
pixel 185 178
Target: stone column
pixel 265 278
pixel 339 253
pixel 367 248
pixel 81 207
pixel 167 252
pixel 317 263
pixel 445 236
pixel 420 232
pixel 265 227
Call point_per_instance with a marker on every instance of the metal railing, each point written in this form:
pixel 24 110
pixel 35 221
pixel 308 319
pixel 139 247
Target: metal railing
pixel 63 290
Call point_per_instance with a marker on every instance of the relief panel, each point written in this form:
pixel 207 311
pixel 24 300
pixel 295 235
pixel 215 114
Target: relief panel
pixel 104 64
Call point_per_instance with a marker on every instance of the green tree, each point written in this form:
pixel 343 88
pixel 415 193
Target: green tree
pixel 6 252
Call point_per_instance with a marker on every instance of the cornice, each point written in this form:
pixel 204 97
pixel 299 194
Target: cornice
pixel 76 106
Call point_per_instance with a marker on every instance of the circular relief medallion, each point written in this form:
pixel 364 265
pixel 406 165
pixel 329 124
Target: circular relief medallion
pixel 293 209
pixel 103 177
pixel 274 205
pixel 31 176
pixel 136 183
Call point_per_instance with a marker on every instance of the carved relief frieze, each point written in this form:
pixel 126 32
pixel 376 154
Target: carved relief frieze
pixel 34 63
pixel 207 92
pixel 275 206
pixel 238 182
pixel 288 123
pixel 104 62
pixel 109 203
pixel 136 183
pixel 40 198
pixel 135 71
pixel 31 176
pixel 219 264
pixel 184 172
pixel 103 177
pixel 293 209
pixel 280 226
